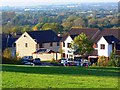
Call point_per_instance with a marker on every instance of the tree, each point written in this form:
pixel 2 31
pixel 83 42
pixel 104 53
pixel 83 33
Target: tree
pixel 79 22
pixel 7 53
pixel 82 45
pixel 26 28
pixel 92 22
pixel 16 29
pixel 52 26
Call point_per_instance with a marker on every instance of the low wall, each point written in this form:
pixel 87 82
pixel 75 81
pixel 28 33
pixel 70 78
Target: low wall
pixel 47 56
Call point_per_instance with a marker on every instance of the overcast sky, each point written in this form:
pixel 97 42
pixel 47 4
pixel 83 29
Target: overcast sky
pixel 39 2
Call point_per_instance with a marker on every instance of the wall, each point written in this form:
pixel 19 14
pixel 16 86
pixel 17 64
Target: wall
pixel 54 46
pixel 66 49
pixel 47 56
pixel 108 48
pixel 21 50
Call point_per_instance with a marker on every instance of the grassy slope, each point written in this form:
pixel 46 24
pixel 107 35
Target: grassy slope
pixel 59 77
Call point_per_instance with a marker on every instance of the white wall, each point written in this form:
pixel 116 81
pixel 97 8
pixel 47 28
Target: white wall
pixel 108 48
pixel 21 50
pixel 66 49
pixel 47 56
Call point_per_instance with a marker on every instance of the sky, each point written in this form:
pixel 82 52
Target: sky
pixel 41 2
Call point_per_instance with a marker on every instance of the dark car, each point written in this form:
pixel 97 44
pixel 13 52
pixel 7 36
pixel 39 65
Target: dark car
pixel 25 61
pixel 37 61
pixel 27 58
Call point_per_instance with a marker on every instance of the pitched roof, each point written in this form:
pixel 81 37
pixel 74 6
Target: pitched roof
pixel 111 38
pixel 73 36
pixel 107 32
pixel 44 36
pixel 44 50
pixel 90 32
pixel 7 40
pixel 117 46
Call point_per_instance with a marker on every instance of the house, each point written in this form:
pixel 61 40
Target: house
pixel 107 44
pixel 95 35
pixel 47 43
pixel 32 41
pixel 69 37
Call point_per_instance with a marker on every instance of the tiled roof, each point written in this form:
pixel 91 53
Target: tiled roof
pixel 110 39
pixel 117 46
pixel 44 50
pixel 90 32
pixel 7 40
pixel 93 33
pixel 106 32
pixel 44 36
pixel 73 36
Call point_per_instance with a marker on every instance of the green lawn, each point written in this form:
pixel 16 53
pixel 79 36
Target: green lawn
pixel 20 76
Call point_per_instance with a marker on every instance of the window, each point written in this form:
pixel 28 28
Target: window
pixel 24 35
pixel 63 44
pixel 57 43
pixel 68 45
pixel 51 44
pixel 40 45
pixel 102 46
pixel 26 44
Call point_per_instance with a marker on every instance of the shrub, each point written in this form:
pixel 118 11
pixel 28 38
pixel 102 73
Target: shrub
pixel 11 60
pixel 114 61
pixel 7 57
pixel 7 53
pixel 102 61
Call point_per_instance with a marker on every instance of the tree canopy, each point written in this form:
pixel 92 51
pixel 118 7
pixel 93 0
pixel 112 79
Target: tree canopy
pixel 82 45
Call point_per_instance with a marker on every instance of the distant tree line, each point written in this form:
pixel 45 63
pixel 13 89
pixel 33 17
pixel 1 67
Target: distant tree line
pixel 60 22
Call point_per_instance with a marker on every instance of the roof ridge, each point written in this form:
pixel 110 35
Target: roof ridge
pixel 40 31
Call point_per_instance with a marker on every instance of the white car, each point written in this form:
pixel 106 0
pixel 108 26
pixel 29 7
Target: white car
pixel 63 60
pixel 29 63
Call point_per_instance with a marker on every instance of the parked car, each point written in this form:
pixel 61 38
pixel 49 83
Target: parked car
pixel 24 61
pixel 27 57
pixel 63 60
pixel 85 63
pixel 37 61
pixel 29 63
pixel 68 62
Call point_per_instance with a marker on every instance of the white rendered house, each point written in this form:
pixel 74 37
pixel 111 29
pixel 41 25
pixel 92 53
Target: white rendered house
pixel 106 45
pixel 65 46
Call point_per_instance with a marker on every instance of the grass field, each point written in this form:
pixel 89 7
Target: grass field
pixel 20 76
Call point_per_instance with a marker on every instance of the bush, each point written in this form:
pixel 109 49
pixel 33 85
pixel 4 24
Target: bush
pixel 114 60
pixel 7 57
pixel 102 61
pixel 11 60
